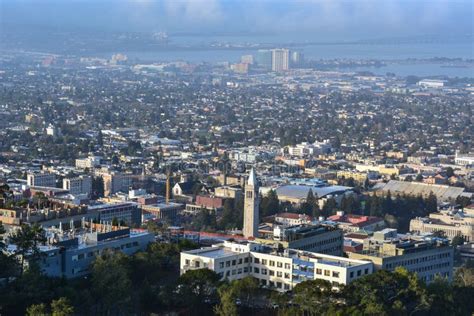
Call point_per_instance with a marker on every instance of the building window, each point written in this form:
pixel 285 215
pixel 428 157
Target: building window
pixel 246 269
pixel 227 263
pixel 335 274
pixel 264 261
pixel 256 260
pixel 352 274
pixel 272 263
pixel 264 271
pixel 221 265
pixel 319 271
pixel 287 275
pixel 234 262
pixel 279 264
pixel 366 271
pixel 197 264
pixel 279 274
pixel 271 272
pixel 246 260
pixel 287 287
pixel 359 272
pixel 256 270
pixel 240 261
pixel 187 261
pixel 287 266
pixel 327 273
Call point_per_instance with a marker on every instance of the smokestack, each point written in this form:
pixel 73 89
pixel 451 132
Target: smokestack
pixel 168 187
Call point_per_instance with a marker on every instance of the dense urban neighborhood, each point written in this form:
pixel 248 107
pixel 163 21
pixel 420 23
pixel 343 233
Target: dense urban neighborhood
pixel 276 183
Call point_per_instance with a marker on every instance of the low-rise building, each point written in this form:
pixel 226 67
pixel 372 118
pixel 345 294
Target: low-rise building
pixel 121 211
pixel 279 270
pixel 70 252
pixel 316 238
pixel 428 257
pixel 354 223
pixel 452 223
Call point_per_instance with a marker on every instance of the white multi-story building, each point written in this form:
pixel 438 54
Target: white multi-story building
pixel 78 185
pixel 280 59
pixel 41 179
pixel 89 162
pixel 277 270
pixel 307 149
pixel 464 159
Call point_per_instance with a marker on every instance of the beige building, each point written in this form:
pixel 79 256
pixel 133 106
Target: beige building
pixel 357 176
pixel 228 192
pixel 116 182
pixel 427 257
pixel 451 223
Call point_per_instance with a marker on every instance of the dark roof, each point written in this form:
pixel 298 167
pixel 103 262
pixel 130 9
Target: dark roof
pixel 187 187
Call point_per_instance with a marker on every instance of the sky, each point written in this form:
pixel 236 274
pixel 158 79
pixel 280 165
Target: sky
pixel 339 19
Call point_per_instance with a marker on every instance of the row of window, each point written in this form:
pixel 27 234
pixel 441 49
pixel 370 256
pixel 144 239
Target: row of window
pixel 272 263
pixel 233 272
pixel 321 243
pixel 359 273
pixel 417 260
pixel 269 272
pixel 234 262
pixel 97 252
pixel 273 284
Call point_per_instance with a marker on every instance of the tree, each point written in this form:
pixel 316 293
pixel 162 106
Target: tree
pixel 227 306
pixel 97 187
pixel 111 284
pixel 197 287
pixel 61 307
pixel 387 293
pixel 228 219
pixel 245 289
pixel 431 203
pixel 457 241
pixel 36 310
pixel 269 204
pixel 310 206
pixel 449 172
pixel 314 297
pixel 27 240
pixel 329 207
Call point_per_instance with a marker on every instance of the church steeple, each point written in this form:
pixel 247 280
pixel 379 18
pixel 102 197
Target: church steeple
pixel 251 205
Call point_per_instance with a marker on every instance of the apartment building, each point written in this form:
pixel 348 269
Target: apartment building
pixel 116 182
pixel 41 179
pixel 428 257
pixel 280 271
pixel 78 185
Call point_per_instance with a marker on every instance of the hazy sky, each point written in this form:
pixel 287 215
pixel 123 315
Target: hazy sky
pixel 326 18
